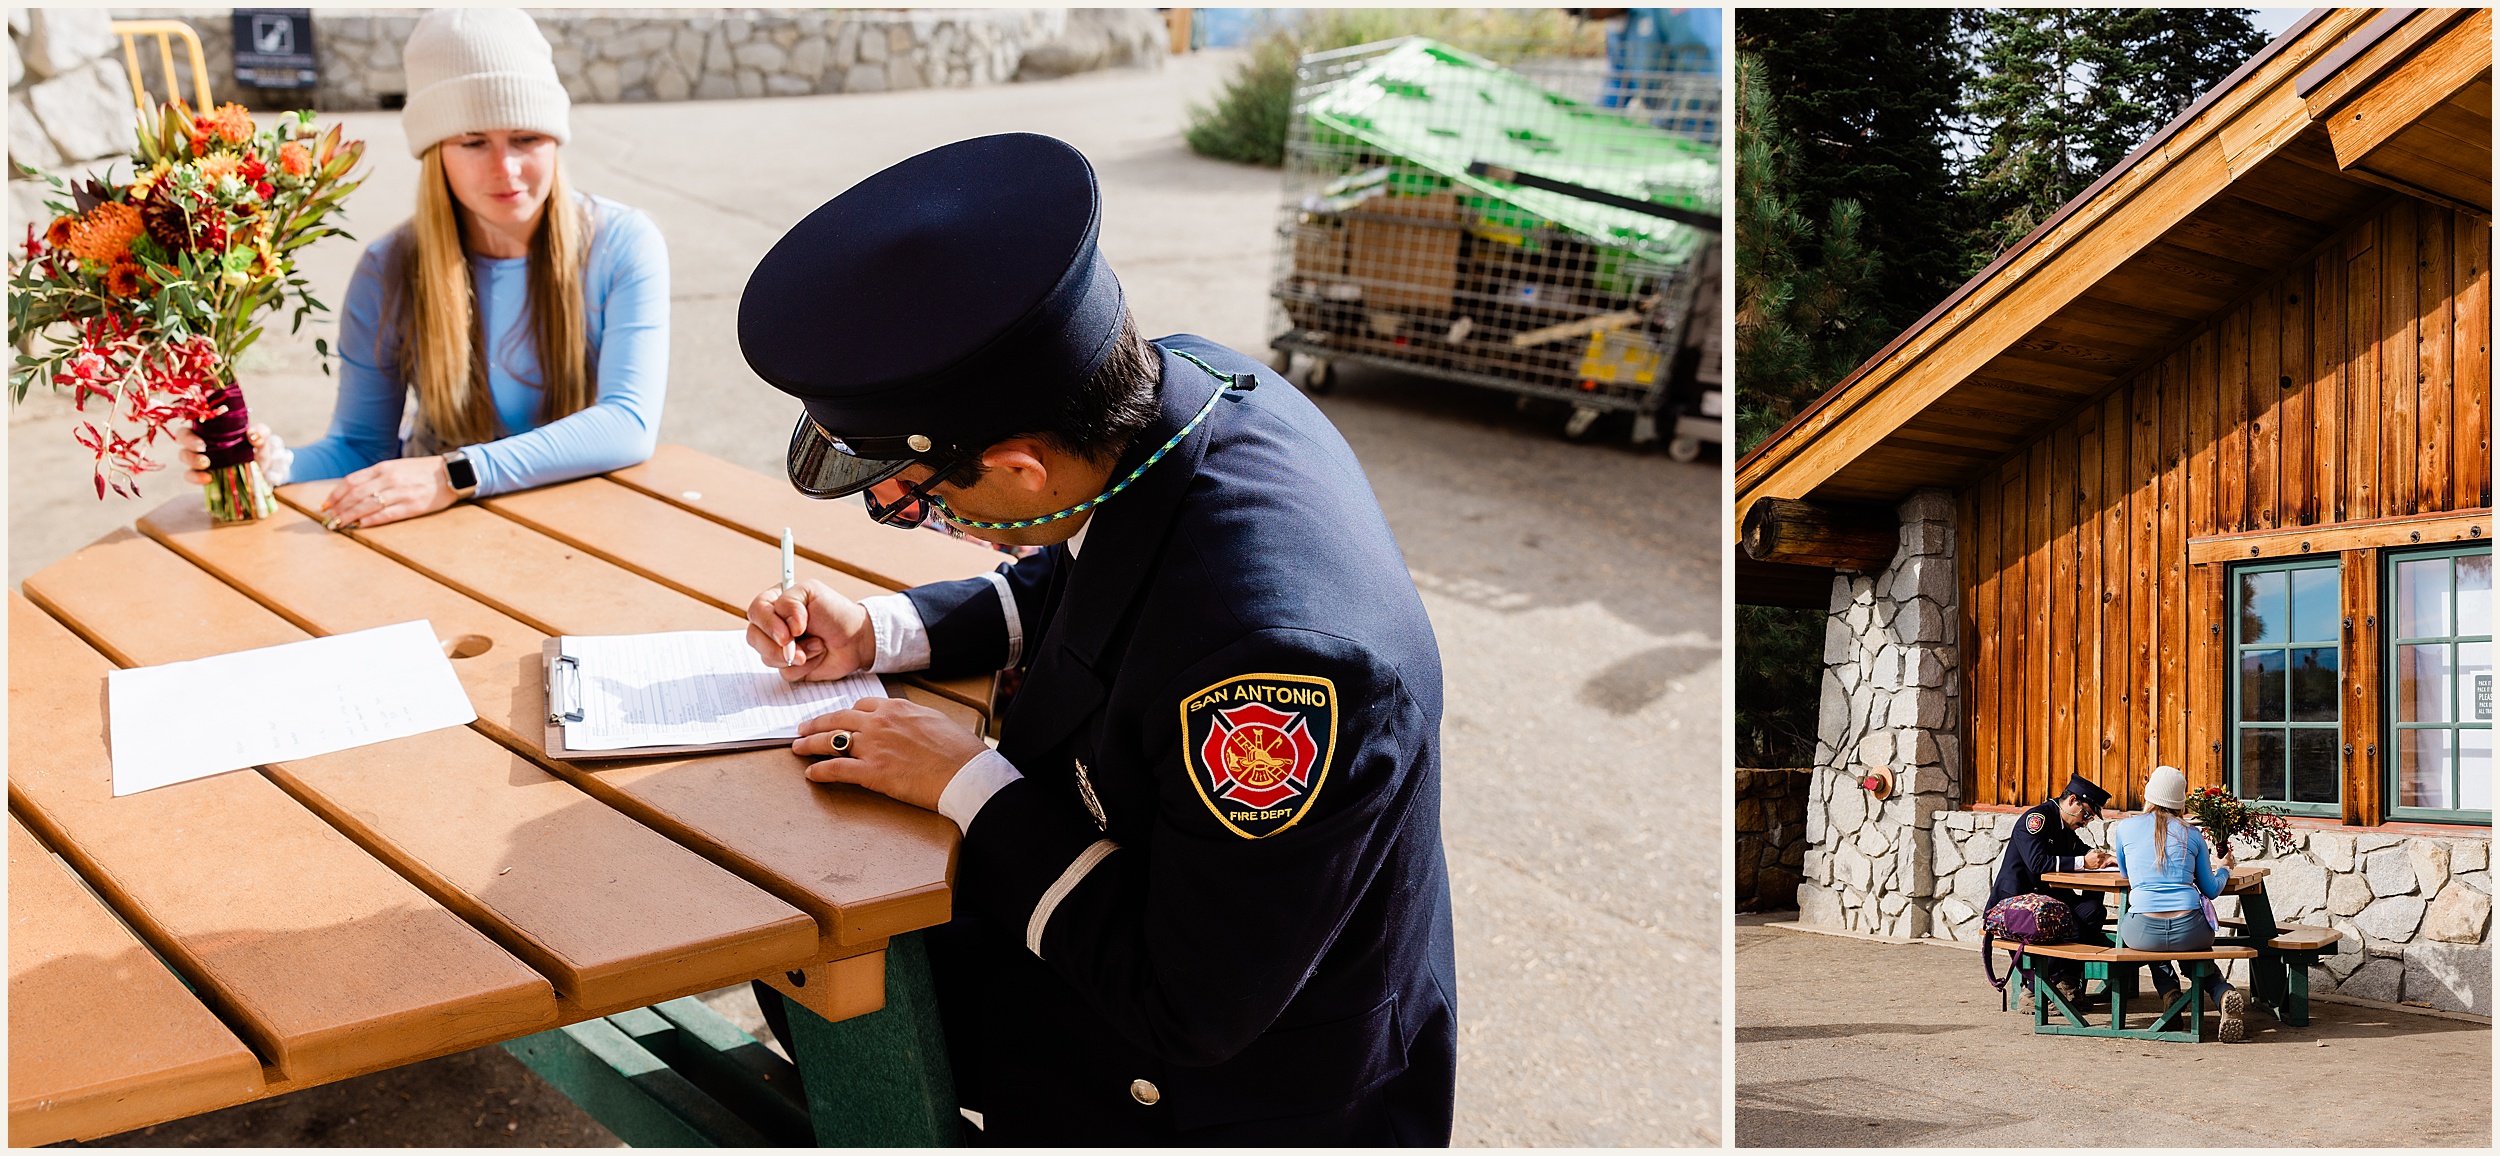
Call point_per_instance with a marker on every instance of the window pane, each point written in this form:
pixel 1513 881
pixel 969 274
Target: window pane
pixel 2422 598
pixel 2474 682
pixel 2262 607
pixel 2313 684
pixel 2474 594
pixel 2314 767
pixel 2474 770
pixel 2261 763
pixel 2422 683
pixel 2261 686
pixel 2422 768
pixel 2317 606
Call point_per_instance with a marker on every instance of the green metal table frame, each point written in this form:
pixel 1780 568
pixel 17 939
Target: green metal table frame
pixel 2191 1000
pixel 676 1074
pixel 2278 980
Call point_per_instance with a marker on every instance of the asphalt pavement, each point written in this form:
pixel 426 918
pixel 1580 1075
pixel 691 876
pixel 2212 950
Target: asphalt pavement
pixel 1847 1042
pixel 1573 587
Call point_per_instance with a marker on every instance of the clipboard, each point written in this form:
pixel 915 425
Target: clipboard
pixel 559 677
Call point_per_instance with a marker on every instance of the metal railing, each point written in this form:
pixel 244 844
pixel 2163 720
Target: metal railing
pixel 165 32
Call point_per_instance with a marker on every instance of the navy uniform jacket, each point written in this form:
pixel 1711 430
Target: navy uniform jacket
pixel 1260 925
pixel 2041 843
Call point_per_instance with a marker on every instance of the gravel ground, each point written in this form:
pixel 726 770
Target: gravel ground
pixel 1574 589
pixel 1853 1043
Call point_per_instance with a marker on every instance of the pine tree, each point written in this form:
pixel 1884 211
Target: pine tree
pixel 1805 291
pixel 1868 97
pixel 2061 95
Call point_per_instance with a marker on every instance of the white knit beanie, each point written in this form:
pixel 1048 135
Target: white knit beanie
pixel 476 69
pixel 2167 788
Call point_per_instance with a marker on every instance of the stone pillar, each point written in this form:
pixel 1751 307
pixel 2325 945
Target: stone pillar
pixel 70 111
pixel 1891 700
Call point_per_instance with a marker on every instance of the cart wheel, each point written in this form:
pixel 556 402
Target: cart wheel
pixel 1582 420
pixel 1321 379
pixel 1282 363
pixel 1684 449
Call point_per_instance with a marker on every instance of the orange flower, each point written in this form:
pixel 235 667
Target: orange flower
pixel 231 121
pixel 293 158
pixel 105 233
pixel 226 165
pixel 58 235
pixel 125 278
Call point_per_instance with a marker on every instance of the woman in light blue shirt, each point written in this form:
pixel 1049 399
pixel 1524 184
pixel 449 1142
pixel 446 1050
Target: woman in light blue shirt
pixel 2171 874
pixel 529 322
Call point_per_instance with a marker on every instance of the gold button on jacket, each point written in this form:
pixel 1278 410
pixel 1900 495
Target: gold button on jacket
pixel 1144 1091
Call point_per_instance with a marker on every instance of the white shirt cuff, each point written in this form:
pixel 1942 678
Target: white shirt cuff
pixel 972 787
pixel 902 638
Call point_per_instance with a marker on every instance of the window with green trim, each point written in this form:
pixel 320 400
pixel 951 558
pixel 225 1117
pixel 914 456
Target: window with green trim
pixel 2439 684
pixel 2286 705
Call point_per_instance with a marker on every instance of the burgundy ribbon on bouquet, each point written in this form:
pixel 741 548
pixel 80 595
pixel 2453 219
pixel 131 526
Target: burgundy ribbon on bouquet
pixel 228 445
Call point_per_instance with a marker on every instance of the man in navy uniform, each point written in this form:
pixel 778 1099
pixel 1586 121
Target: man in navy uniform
pixel 2044 840
pixel 1201 895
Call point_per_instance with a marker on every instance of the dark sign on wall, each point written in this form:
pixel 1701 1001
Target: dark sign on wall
pixel 273 48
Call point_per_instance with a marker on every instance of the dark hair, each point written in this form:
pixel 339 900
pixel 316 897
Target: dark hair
pixel 1099 418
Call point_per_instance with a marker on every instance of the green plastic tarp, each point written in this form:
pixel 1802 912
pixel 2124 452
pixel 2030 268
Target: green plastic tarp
pixel 1443 109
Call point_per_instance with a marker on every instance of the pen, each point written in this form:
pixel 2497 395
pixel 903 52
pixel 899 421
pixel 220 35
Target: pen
pixel 789 578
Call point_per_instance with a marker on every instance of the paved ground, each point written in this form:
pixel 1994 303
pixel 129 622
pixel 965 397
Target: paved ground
pixel 1846 1042
pixel 1574 589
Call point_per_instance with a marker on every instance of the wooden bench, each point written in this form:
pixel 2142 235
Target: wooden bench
pixel 2097 962
pixel 2295 940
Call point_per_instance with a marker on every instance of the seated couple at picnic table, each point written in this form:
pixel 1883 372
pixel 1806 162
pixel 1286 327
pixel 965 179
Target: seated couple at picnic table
pixel 529 320
pixel 2171 875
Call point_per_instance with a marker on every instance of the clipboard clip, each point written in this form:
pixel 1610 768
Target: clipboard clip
pixel 564 699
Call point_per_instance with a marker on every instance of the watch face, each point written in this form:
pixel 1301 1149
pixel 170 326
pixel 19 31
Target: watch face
pixel 463 475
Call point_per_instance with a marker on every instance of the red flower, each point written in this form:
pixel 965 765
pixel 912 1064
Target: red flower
pixel 264 189
pixel 34 244
pixel 252 168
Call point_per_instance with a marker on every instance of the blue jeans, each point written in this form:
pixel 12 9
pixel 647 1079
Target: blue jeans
pixel 2188 932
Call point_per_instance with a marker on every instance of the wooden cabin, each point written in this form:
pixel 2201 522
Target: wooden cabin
pixel 2218 441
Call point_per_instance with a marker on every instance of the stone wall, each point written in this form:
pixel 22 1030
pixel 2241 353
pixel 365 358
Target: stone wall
pixel 641 54
pixel 1891 699
pixel 1770 837
pixel 2415 910
pixel 69 100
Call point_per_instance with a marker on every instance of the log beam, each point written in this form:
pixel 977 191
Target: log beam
pixel 1812 534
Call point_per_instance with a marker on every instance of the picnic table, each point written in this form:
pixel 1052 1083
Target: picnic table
pixel 2278 975
pixel 245 935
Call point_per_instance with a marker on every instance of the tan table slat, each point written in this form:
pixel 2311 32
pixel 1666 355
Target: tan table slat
pixel 866 867
pixel 2243 880
pixel 323 959
pixel 102 1038
pixel 613 913
pixel 690 554
pixel 556 587
pixel 838 534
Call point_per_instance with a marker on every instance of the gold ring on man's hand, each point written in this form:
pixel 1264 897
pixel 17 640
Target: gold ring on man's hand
pixel 840 742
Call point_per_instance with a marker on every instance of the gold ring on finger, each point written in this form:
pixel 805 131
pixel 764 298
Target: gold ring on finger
pixel 840 743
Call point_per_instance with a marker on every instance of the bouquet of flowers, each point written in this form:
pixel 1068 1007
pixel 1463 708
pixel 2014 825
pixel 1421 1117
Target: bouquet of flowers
pixel 2224 818
pixel 149 289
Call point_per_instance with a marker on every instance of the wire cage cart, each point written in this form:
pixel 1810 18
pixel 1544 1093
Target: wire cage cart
pixel 1491 226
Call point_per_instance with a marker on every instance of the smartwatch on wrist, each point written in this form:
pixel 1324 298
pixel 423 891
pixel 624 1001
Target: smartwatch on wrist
pixel 463 473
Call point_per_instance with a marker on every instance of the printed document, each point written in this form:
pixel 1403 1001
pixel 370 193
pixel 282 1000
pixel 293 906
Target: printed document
pixel 688 688
pixel 189 720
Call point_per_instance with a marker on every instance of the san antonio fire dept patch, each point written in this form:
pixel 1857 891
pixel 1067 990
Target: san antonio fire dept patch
pixel 1257 748
pixel 2034 823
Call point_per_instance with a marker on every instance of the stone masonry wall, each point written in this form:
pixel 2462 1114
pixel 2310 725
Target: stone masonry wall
pixel 69 100
pixel 1770 837
pixel 2415 910
pixel 1892 699
pixel 642 54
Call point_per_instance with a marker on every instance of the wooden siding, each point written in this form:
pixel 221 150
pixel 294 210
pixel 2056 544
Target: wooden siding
pixel 2355 385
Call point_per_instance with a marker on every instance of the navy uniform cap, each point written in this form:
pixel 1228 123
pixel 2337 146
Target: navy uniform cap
pixel 939 305
pixel 2086 790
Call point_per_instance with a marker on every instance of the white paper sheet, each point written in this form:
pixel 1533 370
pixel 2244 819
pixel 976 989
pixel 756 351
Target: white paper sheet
pixel 689 687
pixel 189 720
